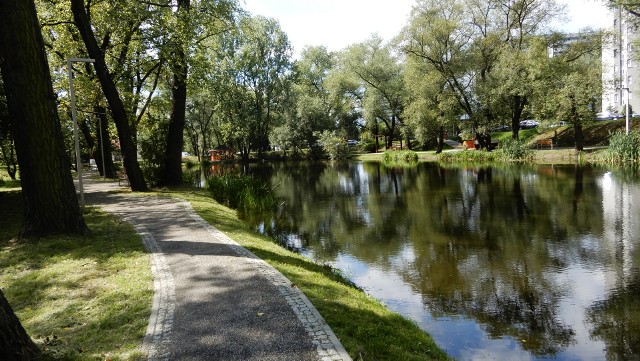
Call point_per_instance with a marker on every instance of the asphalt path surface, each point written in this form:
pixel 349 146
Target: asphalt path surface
pixel 213 299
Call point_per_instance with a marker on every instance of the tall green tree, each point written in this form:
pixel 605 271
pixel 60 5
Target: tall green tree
pixel 379 72
pixel 51 204
pixel 253 73
pixel 310 109
pixel 50 198
pixel 213 17
pixel 572 86
pixel 438 39
pixel 118 112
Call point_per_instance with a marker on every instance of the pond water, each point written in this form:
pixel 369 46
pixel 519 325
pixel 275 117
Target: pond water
pixel 504 262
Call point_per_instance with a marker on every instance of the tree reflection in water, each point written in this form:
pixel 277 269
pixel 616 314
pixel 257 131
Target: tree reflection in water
pixel 497 245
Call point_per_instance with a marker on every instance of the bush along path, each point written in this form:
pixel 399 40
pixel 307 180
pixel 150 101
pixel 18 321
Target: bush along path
pixel 213 298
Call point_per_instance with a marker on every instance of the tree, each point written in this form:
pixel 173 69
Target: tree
pixel 438 39
pixel 380 74
pixel 50 198
pixel 213 16
pixel 310 108
pixel 7 148
pixel 118 111
pixel 49 195
pixel 15 344
pixel 572 86
pixel 252 79
pixel 431 107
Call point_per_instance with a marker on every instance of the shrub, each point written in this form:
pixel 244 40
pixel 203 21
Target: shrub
pixel 468 156
pixel 368 147
pixel 335 147
pixel 403 156
pixel 515 150
pixel 624 148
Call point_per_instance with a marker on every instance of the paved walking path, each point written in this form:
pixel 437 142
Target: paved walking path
pixel 215 300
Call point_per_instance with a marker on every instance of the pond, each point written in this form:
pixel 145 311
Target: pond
pixel 502 262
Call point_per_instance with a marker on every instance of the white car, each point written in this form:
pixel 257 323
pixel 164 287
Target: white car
pixel 528 124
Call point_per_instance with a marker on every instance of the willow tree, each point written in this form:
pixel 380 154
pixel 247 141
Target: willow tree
pixel 438 42
pixel 571 86
pixel 379 72
pixel 251 79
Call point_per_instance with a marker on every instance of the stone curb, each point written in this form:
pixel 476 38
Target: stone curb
pixel 158 336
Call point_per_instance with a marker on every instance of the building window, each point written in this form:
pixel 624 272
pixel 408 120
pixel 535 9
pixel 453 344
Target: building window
pixel 615 53
pixel 615 69
pixel 629 80
pixel 629 47
pixel 615 22
pixel 615 99
pixel 629 64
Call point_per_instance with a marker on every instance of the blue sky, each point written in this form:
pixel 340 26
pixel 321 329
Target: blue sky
pixel 339 23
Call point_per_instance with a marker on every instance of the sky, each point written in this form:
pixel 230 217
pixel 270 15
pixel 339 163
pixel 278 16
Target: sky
pixel 340 23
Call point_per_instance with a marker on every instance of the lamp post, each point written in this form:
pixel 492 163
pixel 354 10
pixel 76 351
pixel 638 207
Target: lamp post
pixel 72 96
pixel 627 125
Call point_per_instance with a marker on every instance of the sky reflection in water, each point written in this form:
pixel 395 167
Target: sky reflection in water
pixel 507 263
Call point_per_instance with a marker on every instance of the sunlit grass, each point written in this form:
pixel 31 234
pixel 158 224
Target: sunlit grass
pixel 366 328
pixel 78 297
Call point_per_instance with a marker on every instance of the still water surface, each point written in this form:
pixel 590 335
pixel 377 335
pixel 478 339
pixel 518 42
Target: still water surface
pixel 506 263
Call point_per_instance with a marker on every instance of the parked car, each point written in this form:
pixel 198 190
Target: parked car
pixel 528 124
pixel 608 116
pixel 502 128
pixel 352 142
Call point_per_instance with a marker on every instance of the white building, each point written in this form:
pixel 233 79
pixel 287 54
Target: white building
pixel 620 69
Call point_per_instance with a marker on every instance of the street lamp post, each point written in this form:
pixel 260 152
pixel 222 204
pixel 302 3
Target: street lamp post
pixel 627 124
pixel 72 96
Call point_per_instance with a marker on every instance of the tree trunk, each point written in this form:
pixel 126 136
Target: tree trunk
pixel 440 140
pixel 172 169
pixel 518 105
pixel 15 344
pixel 118 112
pixel 51 204
pixel 579 137
pixel 104 144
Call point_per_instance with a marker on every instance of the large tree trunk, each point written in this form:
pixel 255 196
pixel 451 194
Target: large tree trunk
pixel 579 136
pixel 51 204
pixel 172 170
pixel 516 115
pixel 15 344
pixel 118 112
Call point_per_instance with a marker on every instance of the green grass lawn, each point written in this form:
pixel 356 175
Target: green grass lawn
pixel 78 297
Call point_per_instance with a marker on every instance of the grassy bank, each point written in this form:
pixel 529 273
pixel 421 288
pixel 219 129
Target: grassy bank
pixel 78 297
pixel 367 329
pixel 89 297
pixel 596 138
